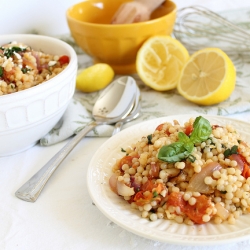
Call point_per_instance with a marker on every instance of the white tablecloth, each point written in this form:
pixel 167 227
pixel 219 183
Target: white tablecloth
pixel 64 217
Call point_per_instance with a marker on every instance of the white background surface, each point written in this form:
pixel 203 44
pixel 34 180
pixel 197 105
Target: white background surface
pixel 64 217
pixel 48 17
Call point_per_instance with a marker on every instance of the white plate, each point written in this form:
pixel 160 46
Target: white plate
pixel 120 212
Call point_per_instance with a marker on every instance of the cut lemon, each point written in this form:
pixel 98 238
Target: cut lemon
pixel 208 77
pixel 95 77
pixel 159 62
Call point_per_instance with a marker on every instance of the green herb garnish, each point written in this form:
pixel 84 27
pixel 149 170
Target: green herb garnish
pixel 192 158
pixel 231 151
pixel 155 194
pixel 8 52
pixel 223 192
pixel 1 71
pixel 183 148
pixel 123 150
pixel 25 70
pixel 149 137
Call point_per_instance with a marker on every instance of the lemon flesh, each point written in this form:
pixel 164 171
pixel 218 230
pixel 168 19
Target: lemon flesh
pixel 208 77
pixel 95 77
pixel 159 62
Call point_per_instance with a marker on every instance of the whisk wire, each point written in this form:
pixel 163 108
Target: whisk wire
pixel 198 27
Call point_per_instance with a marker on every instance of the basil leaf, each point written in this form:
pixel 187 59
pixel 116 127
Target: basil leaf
pixel 174 152
pixel 189 146
pixel 202 130
pixel 183 137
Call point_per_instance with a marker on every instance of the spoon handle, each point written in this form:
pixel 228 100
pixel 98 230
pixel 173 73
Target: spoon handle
pixel 117 127
pixel 31 190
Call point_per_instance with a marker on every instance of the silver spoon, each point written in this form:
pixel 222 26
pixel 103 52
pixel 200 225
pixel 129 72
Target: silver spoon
pixel 114 103
pixel 135 113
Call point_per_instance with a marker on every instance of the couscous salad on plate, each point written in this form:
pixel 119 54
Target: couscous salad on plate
pixel 193 173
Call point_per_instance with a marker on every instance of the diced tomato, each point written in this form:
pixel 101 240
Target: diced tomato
pixel 147 186
pixel 128 159
pixel 176 199
pixel 140 199
pixel 195 212
pixel 63 60
pixel 160 128
pixel 215 126
pixel 159 188
pixel 189 129
pixel 246 171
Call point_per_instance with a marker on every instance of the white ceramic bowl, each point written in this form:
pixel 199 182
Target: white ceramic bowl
pixel 28 115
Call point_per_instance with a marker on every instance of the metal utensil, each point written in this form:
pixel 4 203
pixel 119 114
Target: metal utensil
pixel 197 27
pixel 135 113
pixel 114 103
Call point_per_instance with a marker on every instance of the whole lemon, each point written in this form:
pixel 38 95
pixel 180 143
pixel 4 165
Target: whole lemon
pixel 95 77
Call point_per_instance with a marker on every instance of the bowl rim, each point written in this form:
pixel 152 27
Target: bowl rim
pixel 119 26
pixel 43 86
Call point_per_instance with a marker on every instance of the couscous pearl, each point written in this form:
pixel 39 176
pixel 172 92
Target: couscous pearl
pixel 206 218
pixel 208 180
pixel 153 217
pixel 179 219
pixel 197 169
pixel 147 207
pixel 186 196
pixel 192 201
pixel 160 215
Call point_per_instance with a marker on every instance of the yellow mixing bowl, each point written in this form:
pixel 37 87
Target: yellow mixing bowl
pixel 117 45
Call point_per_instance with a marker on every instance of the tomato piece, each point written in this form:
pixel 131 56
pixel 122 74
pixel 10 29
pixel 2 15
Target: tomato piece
pixel 246 171
pixel 160 128
pixel 63 60
pixel 128 159
pixel 140 199
pixel 189 129
pixel 196 211
pixel 216 126
pixel 159 188
pixel 147 186
pixel 176 199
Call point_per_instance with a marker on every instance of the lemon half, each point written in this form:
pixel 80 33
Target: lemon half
pixel 159 62
pixel 208 77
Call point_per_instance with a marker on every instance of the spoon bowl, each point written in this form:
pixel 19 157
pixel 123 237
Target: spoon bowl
pixel 114 104
pixel 135 113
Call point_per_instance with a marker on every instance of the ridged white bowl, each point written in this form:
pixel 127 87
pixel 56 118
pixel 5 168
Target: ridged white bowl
pixel 28 115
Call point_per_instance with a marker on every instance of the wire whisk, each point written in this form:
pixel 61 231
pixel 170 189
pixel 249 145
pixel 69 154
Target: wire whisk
pixel 197 27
